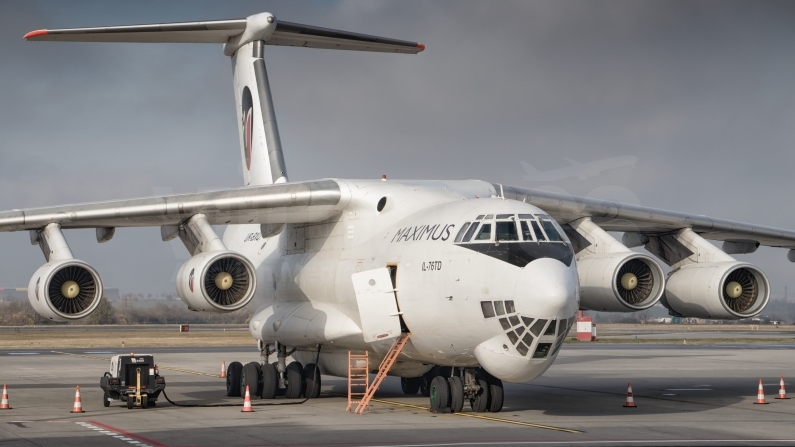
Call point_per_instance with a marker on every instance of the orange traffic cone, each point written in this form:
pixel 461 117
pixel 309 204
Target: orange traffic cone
pixel 782 392
pixel 247 403
pixel 760 395
pixel 630 399
pixel 4 403
pixel 223 369
pixel 78 408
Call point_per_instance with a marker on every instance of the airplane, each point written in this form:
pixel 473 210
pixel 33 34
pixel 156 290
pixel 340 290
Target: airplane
pixel 464 284
pixel 577 169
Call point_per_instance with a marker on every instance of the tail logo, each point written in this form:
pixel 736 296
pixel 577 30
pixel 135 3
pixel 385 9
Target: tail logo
pixel 248 131
pixel 190 279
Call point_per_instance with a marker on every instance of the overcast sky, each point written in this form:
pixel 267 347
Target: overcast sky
pixel 702 93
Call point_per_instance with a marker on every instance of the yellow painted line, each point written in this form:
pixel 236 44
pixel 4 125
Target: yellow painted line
pixel 186 371
pixel 485 418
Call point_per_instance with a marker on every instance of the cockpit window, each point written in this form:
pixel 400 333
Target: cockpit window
pixel 526 216
pixel 471 231
pixel 527 236
pixel 489 216
pixel 537 230
pixel 485 232
pixel 506 231
pixel 551 231
pixel 479 217
pixel 462 231
pixel 504 216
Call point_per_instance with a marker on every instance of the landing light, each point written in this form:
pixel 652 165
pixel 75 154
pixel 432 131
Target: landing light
pixel 734 289
pixel 70 289
pixel 223 281
pixel 629 281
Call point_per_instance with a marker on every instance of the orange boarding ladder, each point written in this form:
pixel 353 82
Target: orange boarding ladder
pixel 386 365
pixel 358 378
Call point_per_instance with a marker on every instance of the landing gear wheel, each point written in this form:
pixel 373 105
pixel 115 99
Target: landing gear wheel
pixel 233 373
pixel 144 402
pixel 410 385
pixel 496 395
pixel 105 399
pixel 311 381
pixel 440 394
pixel 295 380
pixel 130 402
pixel 270 382
pixel 250 377
pixel 456 394
pixel 425 381
pixel 480 402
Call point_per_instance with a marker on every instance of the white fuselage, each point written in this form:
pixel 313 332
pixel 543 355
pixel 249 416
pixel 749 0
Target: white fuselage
pixel 306 297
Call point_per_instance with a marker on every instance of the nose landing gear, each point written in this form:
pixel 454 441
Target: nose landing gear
pixel 448 392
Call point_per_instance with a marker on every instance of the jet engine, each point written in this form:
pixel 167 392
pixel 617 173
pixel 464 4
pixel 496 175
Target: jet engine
pixel 619 282
pixel 65 290
pixel 723 290
pixel 216 281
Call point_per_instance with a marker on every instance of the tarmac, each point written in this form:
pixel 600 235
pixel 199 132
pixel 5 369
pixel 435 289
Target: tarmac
pixel 685 395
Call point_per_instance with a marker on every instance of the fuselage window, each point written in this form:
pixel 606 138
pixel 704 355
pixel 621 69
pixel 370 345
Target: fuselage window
pixel 537 230
pixel 500 308
pixel 485 233
pixel 471 231
pixel 551 231
pixel 527 236
pixel 487 308
pixel 506 231
pixel 462 231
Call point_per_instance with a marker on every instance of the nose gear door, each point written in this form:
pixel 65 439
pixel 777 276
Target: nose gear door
pixel 375 296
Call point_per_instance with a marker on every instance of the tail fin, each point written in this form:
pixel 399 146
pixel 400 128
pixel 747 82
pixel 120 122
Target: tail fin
pixel 243 39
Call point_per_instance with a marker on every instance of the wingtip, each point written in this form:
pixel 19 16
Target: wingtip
pixel 38 32
pixel 421 47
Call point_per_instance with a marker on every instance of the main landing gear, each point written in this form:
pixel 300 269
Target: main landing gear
pixel 449 389
pixel 269 380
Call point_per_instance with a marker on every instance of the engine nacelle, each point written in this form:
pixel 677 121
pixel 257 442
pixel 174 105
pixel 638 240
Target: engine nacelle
pixel 65 290
pixel 728 290
pixel 217 281
pixel 619 282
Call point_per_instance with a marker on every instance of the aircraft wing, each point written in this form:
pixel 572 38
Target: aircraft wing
pixel 281 203
pixel 613 216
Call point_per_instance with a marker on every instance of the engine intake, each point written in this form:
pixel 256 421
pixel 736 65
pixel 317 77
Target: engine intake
pixel 720 290
pixel 65 290
pixel 219 281
pixel 619 282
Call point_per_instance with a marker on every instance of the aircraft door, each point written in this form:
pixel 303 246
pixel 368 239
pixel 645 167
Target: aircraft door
pixel 378 310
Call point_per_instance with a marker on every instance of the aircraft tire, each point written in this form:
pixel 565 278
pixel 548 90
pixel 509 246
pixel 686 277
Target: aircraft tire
pixel 250 377
pixel 295 380
pixel 439 394
pixel 480 403
pixel 233 372
pixel 425 381
pixel 410 385
pixel 311 381
pixel 270 381
pixel 456 394
pixel 496 395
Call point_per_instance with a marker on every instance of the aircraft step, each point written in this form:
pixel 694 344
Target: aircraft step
pixel 383 369
pixel 358 378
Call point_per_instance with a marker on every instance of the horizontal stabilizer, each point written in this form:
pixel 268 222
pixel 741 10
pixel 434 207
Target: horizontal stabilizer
pixel 234 33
